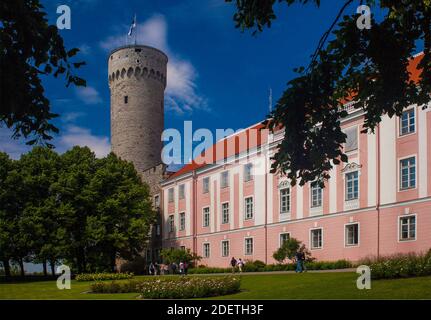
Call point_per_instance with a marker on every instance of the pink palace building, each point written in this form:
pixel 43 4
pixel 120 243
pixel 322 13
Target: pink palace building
pixel 377 204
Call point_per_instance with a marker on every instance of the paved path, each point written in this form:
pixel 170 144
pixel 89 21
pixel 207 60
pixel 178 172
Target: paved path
pixel 277 272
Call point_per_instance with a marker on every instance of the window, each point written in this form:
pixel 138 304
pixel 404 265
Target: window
pixel 224 179
pixel 206 217
pixel 206 250
pixel 183 248
pixel 225 248
pixel 351 139
pixel 157 201
pixel 171 195
pixel 182 221
pixel 407 228
pixel 206 185
pixel 248 172
pixel 407 122
pixel 157 229
pixel 316 238
pixel 316 195
pixel 285 200
pixel 408 173
pixel 181 194
pixel 352 234
pixel 248 208
pixel 284 237
pixel 248 246
pixel 126 99
pixel 171 223
pixel 225 212
pixel 352 185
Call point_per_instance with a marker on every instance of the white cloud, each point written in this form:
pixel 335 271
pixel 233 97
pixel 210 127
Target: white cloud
pixel 181 91
pixel 88 95
pixel 85 49
pixel 69 137
pixel 71 116
pixel 78 136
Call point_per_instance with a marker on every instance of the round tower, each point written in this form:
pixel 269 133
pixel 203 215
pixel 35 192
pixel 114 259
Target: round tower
pixel 137 81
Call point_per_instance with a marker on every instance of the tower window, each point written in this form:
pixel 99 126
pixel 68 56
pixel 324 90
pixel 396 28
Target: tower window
pixel 126 99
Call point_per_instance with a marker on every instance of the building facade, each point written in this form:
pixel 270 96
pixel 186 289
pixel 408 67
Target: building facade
pixel 377 204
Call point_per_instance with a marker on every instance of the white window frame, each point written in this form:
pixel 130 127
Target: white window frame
pixel 171 195
pixel 245 246
pixel 400 188
pixel 248 172
pixel 400 126
pixel 222 212
pixel 346 192
pixel 222 247
pixel 182 194
pixel 156 201
pixel 224 183
pixel 245 208
pixel 312 186
pixel 203 217
pixel 288 202
pixel 357 139
pixel 180 215
pixel 346 245
pixel 206 182
pixel 204 252
pixel 171 223
pixel 311 238
pixel 400 240
pixel 279 237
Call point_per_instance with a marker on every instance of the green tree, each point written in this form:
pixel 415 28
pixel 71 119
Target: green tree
pixel 170 255
pixel 123 212
pixel 13 244
pixel 367 67
pixel 288 250
pixel 73 194
pixel 29 49
pixel 40 168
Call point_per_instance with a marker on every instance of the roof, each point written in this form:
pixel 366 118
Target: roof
pixel 225 148
pixel 211 153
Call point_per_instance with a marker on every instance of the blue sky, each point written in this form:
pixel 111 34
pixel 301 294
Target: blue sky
pixel 218 77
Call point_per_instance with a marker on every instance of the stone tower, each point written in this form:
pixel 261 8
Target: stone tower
pixel 137 81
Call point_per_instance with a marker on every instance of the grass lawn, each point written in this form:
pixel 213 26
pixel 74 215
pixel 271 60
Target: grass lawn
pixel 263 286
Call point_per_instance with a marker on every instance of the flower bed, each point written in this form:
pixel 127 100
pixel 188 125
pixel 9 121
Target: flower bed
pixel 103 276
pixel 400 266
pixel 189 287
pixel 173 287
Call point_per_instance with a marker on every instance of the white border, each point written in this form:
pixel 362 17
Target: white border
pixel 399 240
pixel 414 155
pixel 203 219
pixel 221 247
pixel 245 208
pixel 310 239
pixel 221 212
pixel 279 237
pixel 245 245
pixel 359 235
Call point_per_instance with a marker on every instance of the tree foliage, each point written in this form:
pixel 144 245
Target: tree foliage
pixel 30 48
pixel 367 67
pixel 288 250
pixel 71 208
pixel 175 255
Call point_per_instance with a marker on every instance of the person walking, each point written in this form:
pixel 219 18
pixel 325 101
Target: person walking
pixel 233 264
pixel 181 268
pixel 151 269
pixel 240 265
pixel 304 268
pixel 298 257
pixel 174 268
pixel 186 267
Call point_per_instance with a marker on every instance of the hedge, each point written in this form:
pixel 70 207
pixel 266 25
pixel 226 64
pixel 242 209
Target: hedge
pixel 103 276
pixel 259 266
pixel 172 287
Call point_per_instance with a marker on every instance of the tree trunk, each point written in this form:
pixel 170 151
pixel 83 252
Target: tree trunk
pixel 113 264
pixel 21 267
pixel 45 271
pixel 52 263
pixel 6 266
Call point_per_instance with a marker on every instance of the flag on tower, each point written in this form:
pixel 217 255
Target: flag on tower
pixel 132 26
